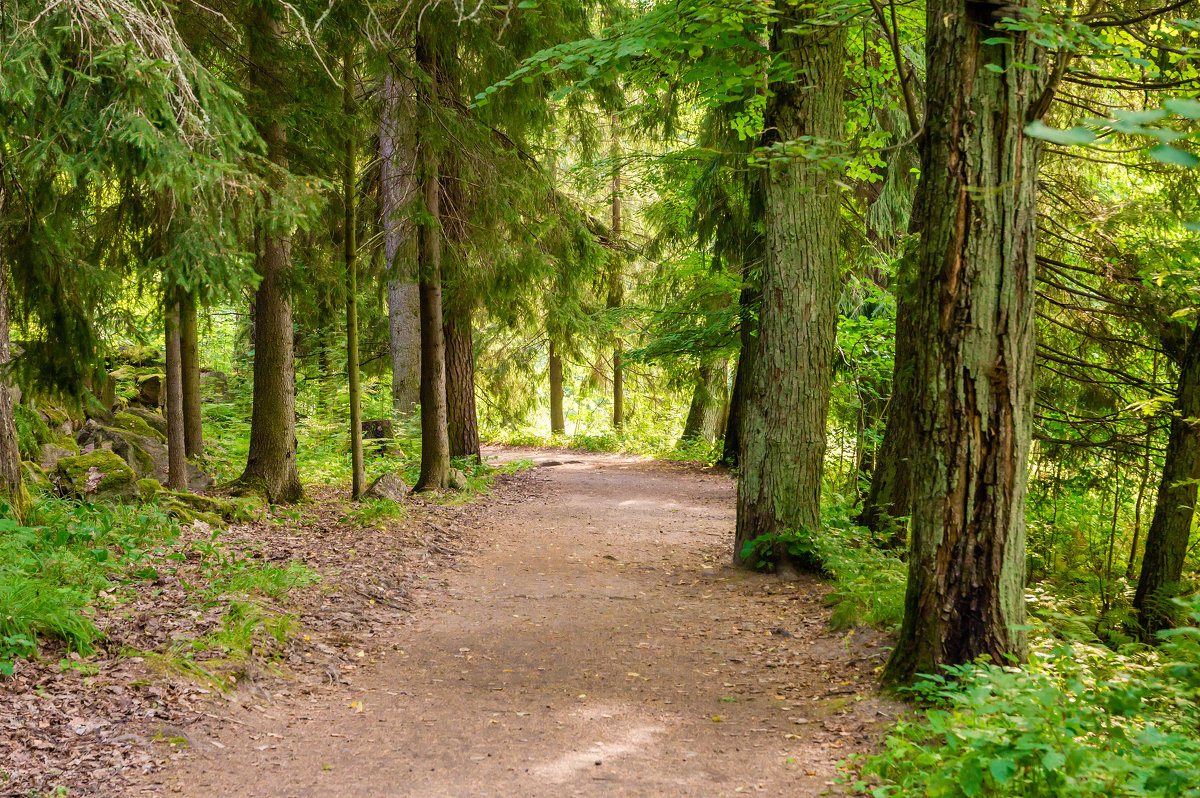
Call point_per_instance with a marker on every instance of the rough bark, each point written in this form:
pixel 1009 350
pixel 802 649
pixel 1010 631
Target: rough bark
pixel 748 335
pixel 558 422
pixel 12 489
pixel 708 402
pixel 462 424
pixel 350 256
pixel 396 165
pixel 435 443
pixel 176 435
pixel 784 424
pixel 973 371
pixel 189 360
pixel 271 461
pixel 1171 525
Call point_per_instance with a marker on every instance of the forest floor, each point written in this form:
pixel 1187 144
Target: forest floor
pixel 579 631
pixel 593 642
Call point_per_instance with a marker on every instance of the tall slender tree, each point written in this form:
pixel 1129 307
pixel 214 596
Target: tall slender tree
pixel 189 362
pixel 397 163
pixel 435 442
pixel 350 258
pixel 1171 526
pixel 271 461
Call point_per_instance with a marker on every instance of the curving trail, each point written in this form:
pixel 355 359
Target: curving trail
pixel 593 643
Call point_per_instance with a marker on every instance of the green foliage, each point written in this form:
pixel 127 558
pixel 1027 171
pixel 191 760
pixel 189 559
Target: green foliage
pixel 1079 721
pixel 32 432
pixel 52 570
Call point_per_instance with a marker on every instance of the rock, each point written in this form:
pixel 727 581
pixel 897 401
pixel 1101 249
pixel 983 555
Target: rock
pixel 152 418
pixel 136 423
pixel 190 508
pixel 36 477
pixel 140 356
pixel 149 391
pixel 198 479
pixel 457 480
pixel 146 455
pixel 52 453
pixel 214 385
pixel 389 486
pixel 99 475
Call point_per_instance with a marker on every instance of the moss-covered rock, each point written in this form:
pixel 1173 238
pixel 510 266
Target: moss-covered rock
pixel 135 423
pixel 145 454
pixel 140 356
pixel 99 475
pixel 36 477
pixel 148 488
pixel 214 511
pixel 152 418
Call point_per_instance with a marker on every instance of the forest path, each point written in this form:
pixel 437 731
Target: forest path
pixel 595 642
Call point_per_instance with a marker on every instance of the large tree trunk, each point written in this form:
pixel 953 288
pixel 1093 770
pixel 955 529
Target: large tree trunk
pixel 973 371
pixel 189 361
pixel 708 401
pixel 350 255
pixel 12 488
pixel 396 165
pixel 748 335
pixel 462 424
pixel 435 443
pixel 783 426
pixel 1171 526
pixel 558 422
pixel 889 498
pixel 176 435
pixel 271 462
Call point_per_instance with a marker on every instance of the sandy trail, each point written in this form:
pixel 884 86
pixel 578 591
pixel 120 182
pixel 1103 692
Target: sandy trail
pixel 593 643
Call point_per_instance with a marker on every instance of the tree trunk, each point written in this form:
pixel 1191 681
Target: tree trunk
pixel 1171 525
pixel 558 422
pixel 462 424
pixel 616 285
pixel 176 434
pixel 708 400
pixel 889 498
pixel 973 371
pixel 435 443
pixel 784 425
pixel 748 334
pixel 396 164
pixel 189 360
pixel 350 241
pixel 12 488
pixel 271 461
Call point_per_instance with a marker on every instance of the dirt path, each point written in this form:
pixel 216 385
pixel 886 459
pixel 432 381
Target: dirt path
pixel 595 643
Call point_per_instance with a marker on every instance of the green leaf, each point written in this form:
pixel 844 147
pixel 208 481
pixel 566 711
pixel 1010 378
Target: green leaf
pixel 1070 137
pixel 993 67
pixel 1053 760
pixel 1188 109
pixel 1002 770
pixel 1167 154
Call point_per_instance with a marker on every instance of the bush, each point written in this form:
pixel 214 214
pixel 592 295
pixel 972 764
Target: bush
pixel 1078 721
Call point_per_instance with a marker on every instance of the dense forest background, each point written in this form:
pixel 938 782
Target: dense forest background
pixel 924 276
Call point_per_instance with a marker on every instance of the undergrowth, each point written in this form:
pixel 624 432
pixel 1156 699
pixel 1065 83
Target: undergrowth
pixel 57 571
pixel 1079 720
